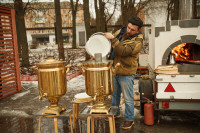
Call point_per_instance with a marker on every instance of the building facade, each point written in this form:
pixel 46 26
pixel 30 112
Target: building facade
pixel 40 22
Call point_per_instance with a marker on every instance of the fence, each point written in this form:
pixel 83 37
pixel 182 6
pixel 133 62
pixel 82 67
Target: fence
pixel 9 60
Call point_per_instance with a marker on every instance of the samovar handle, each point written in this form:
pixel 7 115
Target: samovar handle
pixel 80 66
pixel 42 95
pixel 34 69
pixel 115 68
pixel 68 68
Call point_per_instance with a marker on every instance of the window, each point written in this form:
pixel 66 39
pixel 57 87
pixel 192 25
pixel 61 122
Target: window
pixel 51 11
pixel 27 25
pixel 27 19
pixel 52 25
pixel 78 18
pixel 38 18
pixel 47 25
pixel 64 11
pixel 41 31
pixel 33 19
pixel 39 12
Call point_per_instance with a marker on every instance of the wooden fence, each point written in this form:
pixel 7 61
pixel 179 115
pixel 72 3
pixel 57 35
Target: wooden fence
pixel 9 60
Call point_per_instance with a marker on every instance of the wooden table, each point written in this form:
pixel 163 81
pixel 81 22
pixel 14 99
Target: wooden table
pixel 63 114
pixel 76 109
pixel 90 118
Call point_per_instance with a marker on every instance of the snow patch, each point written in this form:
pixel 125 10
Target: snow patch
pixel 20 94
pixel 77 83
pixel 14 112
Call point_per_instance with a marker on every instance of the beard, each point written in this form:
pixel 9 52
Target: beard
pixel 126 36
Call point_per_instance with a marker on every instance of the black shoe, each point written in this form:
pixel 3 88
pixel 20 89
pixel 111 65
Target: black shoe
pixel 128 124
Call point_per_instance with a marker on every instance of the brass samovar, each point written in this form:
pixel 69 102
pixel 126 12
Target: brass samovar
pixel 98 82
pixel 52 83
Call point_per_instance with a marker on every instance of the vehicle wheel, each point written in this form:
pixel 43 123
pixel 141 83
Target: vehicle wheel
pixel 145 86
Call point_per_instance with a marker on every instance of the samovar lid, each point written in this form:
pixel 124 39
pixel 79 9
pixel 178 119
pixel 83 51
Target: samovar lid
pixel 51 62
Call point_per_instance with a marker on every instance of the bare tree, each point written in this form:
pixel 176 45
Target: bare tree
pixel 131 8
pixel 58 25
pixel 74 7
pixel 103 13
pixel 87 21
pixel 21 32
pixel 172 9
pixel 100 15
pixel 109 14
pixel 87 18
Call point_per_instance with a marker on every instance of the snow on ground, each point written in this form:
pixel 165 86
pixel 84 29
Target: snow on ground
pixel 18 95
pixel 14 113
pixel 77 83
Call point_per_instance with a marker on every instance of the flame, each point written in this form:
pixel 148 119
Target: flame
pixel 182 51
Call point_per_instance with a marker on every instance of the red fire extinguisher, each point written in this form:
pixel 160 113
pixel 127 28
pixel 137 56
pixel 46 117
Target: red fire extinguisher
pixel 148 112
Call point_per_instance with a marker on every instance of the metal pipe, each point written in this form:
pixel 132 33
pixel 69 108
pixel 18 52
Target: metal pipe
pixel 186 9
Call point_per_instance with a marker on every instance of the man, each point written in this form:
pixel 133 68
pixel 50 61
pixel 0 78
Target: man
pixel 126 45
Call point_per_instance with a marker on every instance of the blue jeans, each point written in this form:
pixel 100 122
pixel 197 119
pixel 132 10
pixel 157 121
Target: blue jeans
pixel 124 84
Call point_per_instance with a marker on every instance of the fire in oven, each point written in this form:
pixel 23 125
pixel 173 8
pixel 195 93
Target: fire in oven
pixel 186 56
pixel 186 53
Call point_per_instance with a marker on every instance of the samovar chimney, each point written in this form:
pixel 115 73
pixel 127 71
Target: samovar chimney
pixel 98 57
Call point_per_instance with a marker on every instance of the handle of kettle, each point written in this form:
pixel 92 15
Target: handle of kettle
pixel 68 68
pixel 81 67
pixel 34 69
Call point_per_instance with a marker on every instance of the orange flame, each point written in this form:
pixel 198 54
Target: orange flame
pixel 182 51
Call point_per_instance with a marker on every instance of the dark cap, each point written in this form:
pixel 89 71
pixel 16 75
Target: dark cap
pixel 136 21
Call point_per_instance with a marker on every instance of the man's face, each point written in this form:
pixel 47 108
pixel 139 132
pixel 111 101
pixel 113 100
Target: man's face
pixel 131 29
